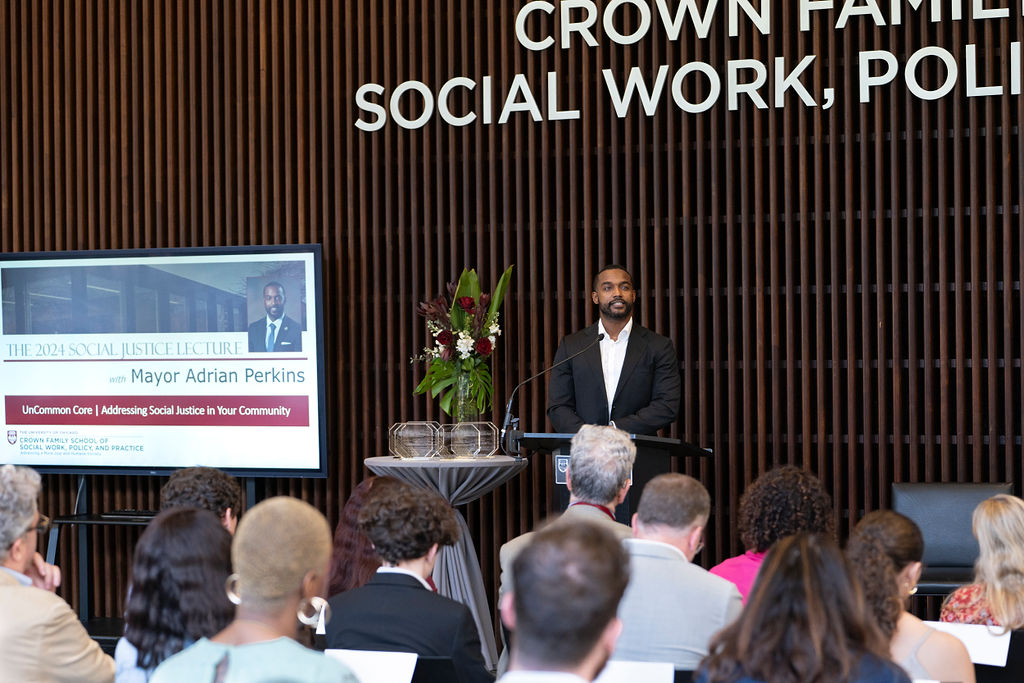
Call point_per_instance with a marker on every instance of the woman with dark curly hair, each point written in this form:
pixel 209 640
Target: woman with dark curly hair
pixel 885 551
pixel 396 610
pixel 805 621
pixel 177 596
pixel 780 502
pixel 354 560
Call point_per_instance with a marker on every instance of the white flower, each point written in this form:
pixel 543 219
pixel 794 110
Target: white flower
pixel 464 345
pixel 492 340
pixel 494 331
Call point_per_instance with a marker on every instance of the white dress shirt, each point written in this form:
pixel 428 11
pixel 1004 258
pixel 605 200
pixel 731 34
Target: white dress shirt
pixel 399 570
pixel 540 677
pixel 22 579
pixel 613 355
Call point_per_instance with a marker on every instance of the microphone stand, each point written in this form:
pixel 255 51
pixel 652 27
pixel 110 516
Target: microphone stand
pixel 510 425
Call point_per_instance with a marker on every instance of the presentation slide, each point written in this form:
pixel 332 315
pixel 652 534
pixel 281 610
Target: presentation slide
pixel 164 359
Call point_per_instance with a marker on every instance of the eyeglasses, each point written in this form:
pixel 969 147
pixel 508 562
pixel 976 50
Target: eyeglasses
pixel 42 526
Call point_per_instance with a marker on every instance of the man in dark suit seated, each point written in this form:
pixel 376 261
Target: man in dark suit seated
pixel 568 583
pixel 397 610
pixel 275 332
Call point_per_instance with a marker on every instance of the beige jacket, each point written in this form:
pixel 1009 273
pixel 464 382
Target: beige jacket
pixel 42 640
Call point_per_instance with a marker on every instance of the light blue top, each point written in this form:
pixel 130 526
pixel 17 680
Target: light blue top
pixel 277 660
pixel 126 664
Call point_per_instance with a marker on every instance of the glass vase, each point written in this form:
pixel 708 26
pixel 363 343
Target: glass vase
pixel 464 408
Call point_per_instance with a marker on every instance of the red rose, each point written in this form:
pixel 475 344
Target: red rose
pixel 483 346
pixel 466 303
pixel 444 338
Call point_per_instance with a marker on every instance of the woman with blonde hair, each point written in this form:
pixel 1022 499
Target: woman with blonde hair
pixel 996 597
pixel 280 554
pixel 885 551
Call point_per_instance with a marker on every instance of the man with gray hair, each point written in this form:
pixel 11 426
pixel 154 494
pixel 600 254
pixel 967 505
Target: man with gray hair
pixel 600 461
pixel 40 637
pixel 598 478
pixel 672 607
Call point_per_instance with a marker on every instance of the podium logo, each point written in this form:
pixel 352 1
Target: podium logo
pixel 12 437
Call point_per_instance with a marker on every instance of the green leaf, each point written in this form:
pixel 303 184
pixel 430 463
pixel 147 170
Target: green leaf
pixel 468 285
pixel 442 384
pixel 438 372
pixel 499 295
pixel 446 402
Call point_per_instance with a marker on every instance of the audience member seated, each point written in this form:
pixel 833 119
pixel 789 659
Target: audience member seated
pixel 569 581
pixel 598 478
pixel 354 560
pixel 181 563
pixel 280 556
pixel 397 610
pixel 805 620
pixel 41 639
pixel 780 502
pixel 885 552
pixel 997 595
pixel 672 607
pixel 206 488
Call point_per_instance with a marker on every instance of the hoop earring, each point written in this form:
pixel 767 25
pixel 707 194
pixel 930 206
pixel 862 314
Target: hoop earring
pixel 310 609
pixel 231 588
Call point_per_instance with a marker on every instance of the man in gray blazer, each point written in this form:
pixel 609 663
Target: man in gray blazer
pixel 672 607
pixel 600 462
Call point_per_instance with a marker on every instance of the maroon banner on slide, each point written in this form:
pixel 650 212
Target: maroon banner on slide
pixel 240 411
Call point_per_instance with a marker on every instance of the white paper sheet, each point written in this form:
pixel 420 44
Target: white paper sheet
pixel 377 667
pixel 985 644
pixel 619 671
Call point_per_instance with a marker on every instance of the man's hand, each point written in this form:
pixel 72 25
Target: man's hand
pixel 43 575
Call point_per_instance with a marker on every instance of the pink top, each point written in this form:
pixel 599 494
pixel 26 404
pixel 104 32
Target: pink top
pixel 741 570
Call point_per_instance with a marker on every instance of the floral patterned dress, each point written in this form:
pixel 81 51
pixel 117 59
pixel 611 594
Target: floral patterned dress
pixel 966 605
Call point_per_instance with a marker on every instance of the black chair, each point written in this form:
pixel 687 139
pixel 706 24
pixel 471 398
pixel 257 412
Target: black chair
pixel 106 631
pixel 1013 672
pixel 683 676
pixel 943 512
pixel 434 670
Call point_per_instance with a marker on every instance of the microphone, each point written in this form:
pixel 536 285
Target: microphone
pixel 508 408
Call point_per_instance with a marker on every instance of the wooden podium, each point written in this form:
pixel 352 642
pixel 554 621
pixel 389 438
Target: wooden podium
pixel 653 455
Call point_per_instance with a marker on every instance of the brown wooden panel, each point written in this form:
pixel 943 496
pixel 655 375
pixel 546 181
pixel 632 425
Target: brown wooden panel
pixel 843 285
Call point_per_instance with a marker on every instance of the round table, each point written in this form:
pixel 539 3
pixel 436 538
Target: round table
pixel 459 481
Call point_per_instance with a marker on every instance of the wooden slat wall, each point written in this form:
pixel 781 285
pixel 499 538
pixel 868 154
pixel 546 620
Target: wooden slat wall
pixel 843 285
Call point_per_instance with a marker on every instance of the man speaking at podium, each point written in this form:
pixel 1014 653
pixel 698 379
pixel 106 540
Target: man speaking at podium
pixel 628 379
pixel 618 373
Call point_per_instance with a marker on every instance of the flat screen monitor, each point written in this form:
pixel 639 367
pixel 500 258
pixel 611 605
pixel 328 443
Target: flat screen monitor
pixel 143 362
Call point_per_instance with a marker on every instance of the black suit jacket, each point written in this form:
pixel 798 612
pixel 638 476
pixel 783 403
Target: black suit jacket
pixel 646 398
pixel 289 336
pixel 395 613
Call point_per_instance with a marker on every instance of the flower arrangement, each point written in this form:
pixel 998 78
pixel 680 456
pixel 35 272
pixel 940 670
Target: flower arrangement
pixel 464 327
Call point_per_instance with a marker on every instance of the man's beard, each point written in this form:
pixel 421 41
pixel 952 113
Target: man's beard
pixel 608 312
